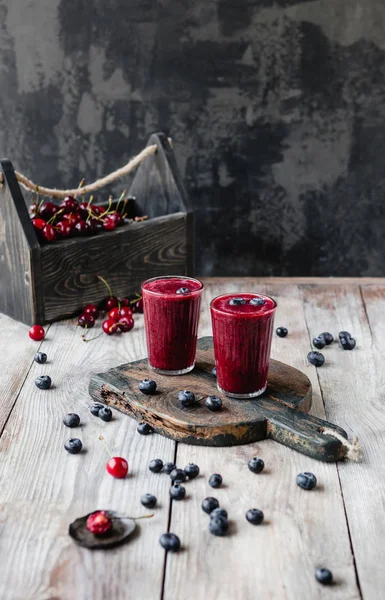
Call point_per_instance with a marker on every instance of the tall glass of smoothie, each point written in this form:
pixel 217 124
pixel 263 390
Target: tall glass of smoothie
pixel 242 332
pixel 171 308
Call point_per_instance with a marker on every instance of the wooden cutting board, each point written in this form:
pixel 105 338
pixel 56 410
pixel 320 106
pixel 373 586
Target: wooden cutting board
pixel 281 413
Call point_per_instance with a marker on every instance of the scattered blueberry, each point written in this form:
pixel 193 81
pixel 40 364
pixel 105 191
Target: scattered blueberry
pixel 147 386
pixel 178 475
pixel 327 337
pixel 71 420
pixel 281 331
pixel 237 301
pixel 191 471
pixel 144 428
pixel 218 526
pixel 177 492
pixel 148 500
pixel 209 504
pixel 43 382
pixel 168 467
pixel 347 343
pixel 105 413
pixel 344 334
pixel 214 371
pixel 73 445
pixel 257 301
pixel 256 465
pixel 319 342
pixel 170 542
pixel 316 358
pixel 156 465
pixel 254 516
pixel 40 357
pixel 213 403
pixel 186 398
pixel 324 576
pixel 215 480
pixel 219 513
pixel 94 409
pixel 183 290
pixel 306 481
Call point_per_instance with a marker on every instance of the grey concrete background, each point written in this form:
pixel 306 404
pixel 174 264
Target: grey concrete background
pixel 276 109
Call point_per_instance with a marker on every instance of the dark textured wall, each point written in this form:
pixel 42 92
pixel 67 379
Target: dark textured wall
pixel 276 108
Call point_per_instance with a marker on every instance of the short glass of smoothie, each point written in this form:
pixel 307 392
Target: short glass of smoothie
pixel 171 308
pixel 242 333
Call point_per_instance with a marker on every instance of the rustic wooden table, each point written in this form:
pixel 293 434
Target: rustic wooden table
pixel 339 525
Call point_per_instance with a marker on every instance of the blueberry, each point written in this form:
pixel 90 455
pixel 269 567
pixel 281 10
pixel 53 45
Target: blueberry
pixel 306 481
pixel 168 467
pixel 40 357
pixel 177 492
pixel 73 446
pixel 105 413
pixel 144 428
pixel 327 337
pixel 257 301
pixel 347 343
pixel 219 513
pixel 148 500
pixel 209 504
pixel 71 420
pixel 186 398
pixel 319 342
pixel 237 301
pixel 178 475
pixel 324 576
pixel 43 382
pixel 147 386
pixel 156 465
pixel 213 403
pixel 254 516
pixel 215 480
pixel 256 465
pixel 191 471
pixel 214 371
pixel 281 331
pixel 316 358
pixel 218 526
pixel 183 290
pixel 170 542
pixel 344 334
pixel 94 409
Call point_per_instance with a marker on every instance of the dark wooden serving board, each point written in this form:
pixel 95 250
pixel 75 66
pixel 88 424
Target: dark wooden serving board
pixel 280 413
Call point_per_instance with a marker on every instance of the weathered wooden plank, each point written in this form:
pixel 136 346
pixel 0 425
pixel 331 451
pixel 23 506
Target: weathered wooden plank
pixel 303 529
pixel 353 388
pixel 44 488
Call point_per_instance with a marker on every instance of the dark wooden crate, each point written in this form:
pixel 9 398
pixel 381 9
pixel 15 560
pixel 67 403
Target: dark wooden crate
pixel 43 283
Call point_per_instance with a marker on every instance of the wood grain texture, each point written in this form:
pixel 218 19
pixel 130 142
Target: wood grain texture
pixel 302 530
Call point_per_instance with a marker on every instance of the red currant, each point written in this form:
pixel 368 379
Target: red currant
pixel 64 229
pixel 111 302
pixel 126 323
pixel 91 309
pixel 117 467
pixel 38 223
pixel 114 314
pixel 86 321
pixel 125 311
pixel 48 233
pixel 36 333
pixel 109 326
pixel 99 522
pixel 69 204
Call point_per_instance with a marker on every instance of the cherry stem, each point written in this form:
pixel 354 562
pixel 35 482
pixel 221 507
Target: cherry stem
pixel 133 518
pixel 90 201
pixel 106 284
pixel 107 209
pixel 120 199
pixel 55 215
pixel 91 339
pixel 108 449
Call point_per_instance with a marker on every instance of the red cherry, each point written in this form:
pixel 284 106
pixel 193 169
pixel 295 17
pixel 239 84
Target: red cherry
pixel 109 224
pixel 117 218
pixel 38 223
pixel 125 311
pixel 48 210
pixel 33 209
pixel 114 314
pixel 84 209
pixel 99 522
pixel 86 321
pixel 110 303
pixel 126 323
pixel 63 229
pixel 91 309
pixel 69 204
pixel 138 306
pixel 98 210
pixel 109 326
pixel 124 301
pixel 48 233
pixel 36 333
pixel 71 219
pixel 94 226
pixel 117 467
pixel 81 227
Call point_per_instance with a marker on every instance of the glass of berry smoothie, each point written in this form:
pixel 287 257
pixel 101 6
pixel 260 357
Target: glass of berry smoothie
pixel 242 332
pixel 171 308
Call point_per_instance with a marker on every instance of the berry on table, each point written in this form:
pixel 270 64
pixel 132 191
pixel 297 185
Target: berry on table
pixel 218 526
pixel 99 522
pixel 281 332
pixel 63 229
pixel 316 358
pixel 73 445
pixel 110 303
pixel 36 333
pixel 38 224
pixel 177 492
pixel 91 309
pixel 256 465
pixel 69 204
pixel 347 343
pixel 86 321
pixel 168 467
pixel 178 475
pixel 344 334
pixel 48 210
pixel 148 500
pixel 109 327
pixel 324 576
pixel 43 382
pixel 125 311
pixel 209 504
pixel 138 306
pixel 105 414
pixel 40 357
pixel 170 542
pixel 219 513
pixel 183 290
pixel 215 480
pixel 186 398
pixel 237 301
pixel 306 481
pixel 147 386
pixel 213 403
pixel 319 342
pixel 254 516
pixel 71 420
pixel 95 408
pixel 144 428
pixel 117 467
pixel 327 337
pixel 156 465
pixel 48 233
pixel 126 324
pixel 191 471
pixel 114 314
